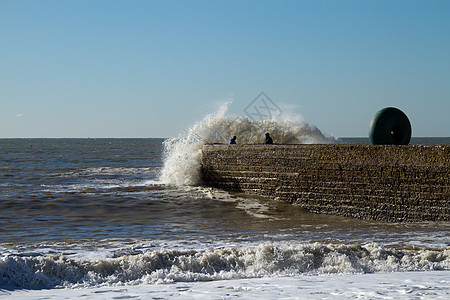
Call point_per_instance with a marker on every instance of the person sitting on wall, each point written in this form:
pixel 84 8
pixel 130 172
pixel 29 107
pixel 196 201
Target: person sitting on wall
pixel 268 139
pixel 232 140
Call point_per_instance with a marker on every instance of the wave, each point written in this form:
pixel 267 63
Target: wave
pixel 163 266
pixel 182 155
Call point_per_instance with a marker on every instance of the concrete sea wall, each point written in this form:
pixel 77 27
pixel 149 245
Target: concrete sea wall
pixel 389 183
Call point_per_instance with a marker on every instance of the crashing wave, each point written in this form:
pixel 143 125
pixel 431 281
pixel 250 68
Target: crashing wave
pixel 36 272
pixel 183 153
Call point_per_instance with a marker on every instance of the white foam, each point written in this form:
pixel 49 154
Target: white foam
pixel 407 285
pixel 187 265
pixel 183 154
pixel 255 208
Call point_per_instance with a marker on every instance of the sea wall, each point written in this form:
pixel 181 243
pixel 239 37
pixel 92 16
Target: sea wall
pixel 389 183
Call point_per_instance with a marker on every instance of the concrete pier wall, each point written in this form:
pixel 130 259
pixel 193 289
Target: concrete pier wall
pixel 389 183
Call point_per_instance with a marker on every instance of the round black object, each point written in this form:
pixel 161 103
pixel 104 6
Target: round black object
pixel 390 126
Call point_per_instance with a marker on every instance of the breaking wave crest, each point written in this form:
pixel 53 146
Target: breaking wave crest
pixel 37 272
pixel 183 153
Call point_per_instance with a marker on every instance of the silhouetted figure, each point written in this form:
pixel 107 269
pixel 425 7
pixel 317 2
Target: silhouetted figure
pixel 232 140
pixel 268 139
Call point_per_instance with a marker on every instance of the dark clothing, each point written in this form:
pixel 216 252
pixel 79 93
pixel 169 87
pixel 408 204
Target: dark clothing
pixel 232 141
pixel 268 140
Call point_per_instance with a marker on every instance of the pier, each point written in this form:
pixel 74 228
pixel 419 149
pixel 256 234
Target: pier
pixel 387 183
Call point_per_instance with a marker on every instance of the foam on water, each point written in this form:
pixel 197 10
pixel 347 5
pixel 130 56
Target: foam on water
pixel 396 285
pixel 49 271
pixel 183 154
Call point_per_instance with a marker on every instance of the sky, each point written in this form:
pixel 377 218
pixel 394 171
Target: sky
pixel 129 68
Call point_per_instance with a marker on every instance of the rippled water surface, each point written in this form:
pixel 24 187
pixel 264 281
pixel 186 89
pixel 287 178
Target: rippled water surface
pixel 59 189
pixel 83 198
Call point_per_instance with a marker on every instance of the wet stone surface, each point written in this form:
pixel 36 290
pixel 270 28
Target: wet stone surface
pixel 389 183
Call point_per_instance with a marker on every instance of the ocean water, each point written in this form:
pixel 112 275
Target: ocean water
pixel 130 218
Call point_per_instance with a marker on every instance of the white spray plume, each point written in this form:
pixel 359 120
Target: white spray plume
pixel 182 159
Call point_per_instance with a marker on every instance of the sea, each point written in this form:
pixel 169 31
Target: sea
pixel 130 219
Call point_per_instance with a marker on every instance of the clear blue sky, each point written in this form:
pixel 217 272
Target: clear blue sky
pixel 131 68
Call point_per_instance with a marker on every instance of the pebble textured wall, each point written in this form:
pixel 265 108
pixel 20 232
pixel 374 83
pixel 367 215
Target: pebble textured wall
pixel 389 183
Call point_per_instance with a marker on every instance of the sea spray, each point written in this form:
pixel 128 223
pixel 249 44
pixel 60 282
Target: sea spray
pixel 49 271
pixel 182 154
